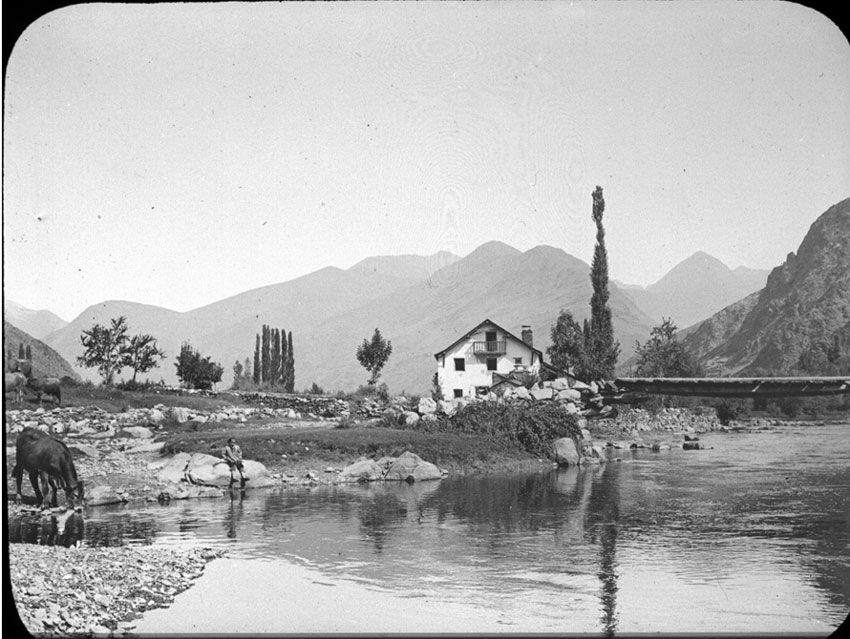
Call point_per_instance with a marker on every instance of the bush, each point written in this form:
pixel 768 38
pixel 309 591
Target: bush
pixel 531 427
pixel 315 389
pixel 383 393
pixel 726 412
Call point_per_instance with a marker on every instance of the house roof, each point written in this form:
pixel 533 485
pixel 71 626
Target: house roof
pixel 478 327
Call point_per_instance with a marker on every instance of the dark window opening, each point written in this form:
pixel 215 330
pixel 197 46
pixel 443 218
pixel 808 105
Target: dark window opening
pixel 460 364
pixel 491 363
pixel 458 392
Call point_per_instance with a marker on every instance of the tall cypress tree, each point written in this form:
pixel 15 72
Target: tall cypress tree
pixel 257 360
pixel 274 368
pixel 290 366
pixel 601 348
pixel 284 361
pixel 266 359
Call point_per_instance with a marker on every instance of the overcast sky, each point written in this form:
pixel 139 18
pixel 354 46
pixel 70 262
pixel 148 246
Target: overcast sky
pixel 177 154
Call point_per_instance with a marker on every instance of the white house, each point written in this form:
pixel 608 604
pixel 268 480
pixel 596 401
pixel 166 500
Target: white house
pixel 466 367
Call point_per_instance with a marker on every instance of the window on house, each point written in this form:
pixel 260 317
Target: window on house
pixel 518 360
pixel 458 392
pixel 460 364
pixel 491 363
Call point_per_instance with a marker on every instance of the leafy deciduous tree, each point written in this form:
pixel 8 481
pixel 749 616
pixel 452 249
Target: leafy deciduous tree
pixel 196 371
pixel 567 349
pixel 664 356
pixel 102 348
pixel 141 354
pixel 373 355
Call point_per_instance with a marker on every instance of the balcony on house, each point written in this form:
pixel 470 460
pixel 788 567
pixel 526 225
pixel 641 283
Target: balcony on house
pixel 489 348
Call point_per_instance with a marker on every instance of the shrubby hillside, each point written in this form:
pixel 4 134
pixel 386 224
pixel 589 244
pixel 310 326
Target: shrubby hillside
pixel 46 361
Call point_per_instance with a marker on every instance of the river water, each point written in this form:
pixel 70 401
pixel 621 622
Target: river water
pixel 748 536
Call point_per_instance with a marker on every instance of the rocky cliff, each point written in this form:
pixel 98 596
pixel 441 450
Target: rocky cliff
pixel 800 321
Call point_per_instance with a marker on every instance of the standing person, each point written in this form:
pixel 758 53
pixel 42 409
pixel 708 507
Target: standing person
pixel 232 454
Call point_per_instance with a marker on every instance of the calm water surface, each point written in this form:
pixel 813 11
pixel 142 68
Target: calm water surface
pixel 749 536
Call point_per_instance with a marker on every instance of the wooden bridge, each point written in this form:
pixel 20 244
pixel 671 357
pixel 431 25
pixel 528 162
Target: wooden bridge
pixel 740 387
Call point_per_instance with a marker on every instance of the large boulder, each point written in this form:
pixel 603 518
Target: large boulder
pixel 174 469
pixel 410 467
pixel 201 469
pixel 566 453
pixel 427 406
pixel 103 495
pixel 156 416
pixel 206 470
pixel 362 470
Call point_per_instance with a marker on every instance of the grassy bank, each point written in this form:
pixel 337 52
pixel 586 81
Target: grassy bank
pixel 287 448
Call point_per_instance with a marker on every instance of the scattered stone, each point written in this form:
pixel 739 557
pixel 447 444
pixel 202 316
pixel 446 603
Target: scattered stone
pixel 566 453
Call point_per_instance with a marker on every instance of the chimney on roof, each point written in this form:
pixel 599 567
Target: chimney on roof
pixel 527 335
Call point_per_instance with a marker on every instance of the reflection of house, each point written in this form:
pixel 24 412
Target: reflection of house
pixel 484 357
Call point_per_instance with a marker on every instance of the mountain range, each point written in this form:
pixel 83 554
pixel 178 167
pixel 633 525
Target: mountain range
pixel 695 289
pixel 420 303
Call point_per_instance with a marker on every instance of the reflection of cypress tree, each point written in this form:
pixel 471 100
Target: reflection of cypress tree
pixel 604 520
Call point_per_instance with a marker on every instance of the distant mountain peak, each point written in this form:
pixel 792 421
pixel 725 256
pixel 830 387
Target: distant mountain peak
pixel 494 248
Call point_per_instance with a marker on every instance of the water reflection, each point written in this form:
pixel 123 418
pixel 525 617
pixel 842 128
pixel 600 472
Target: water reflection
pixel 570 545
pixel 234 513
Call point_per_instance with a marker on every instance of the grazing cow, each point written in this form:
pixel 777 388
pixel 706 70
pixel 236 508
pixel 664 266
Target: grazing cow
pixel 46 386
pixel 15 382
pixel 42 455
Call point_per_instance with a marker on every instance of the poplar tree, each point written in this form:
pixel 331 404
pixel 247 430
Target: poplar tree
pixel 257 360
pixel 290 366
pixel 284 361
pixel 274 368
pixel 601 348
pixel 266 346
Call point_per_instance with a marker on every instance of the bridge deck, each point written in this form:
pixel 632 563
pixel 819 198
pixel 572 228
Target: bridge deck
pixel 735 386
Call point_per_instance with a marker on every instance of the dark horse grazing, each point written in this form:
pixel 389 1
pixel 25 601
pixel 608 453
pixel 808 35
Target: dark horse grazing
pixel 40 454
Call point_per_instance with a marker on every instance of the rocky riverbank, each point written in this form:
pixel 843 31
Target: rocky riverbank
pixel 77 591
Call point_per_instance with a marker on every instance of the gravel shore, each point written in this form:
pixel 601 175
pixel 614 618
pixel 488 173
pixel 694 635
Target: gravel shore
pixel 74 591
